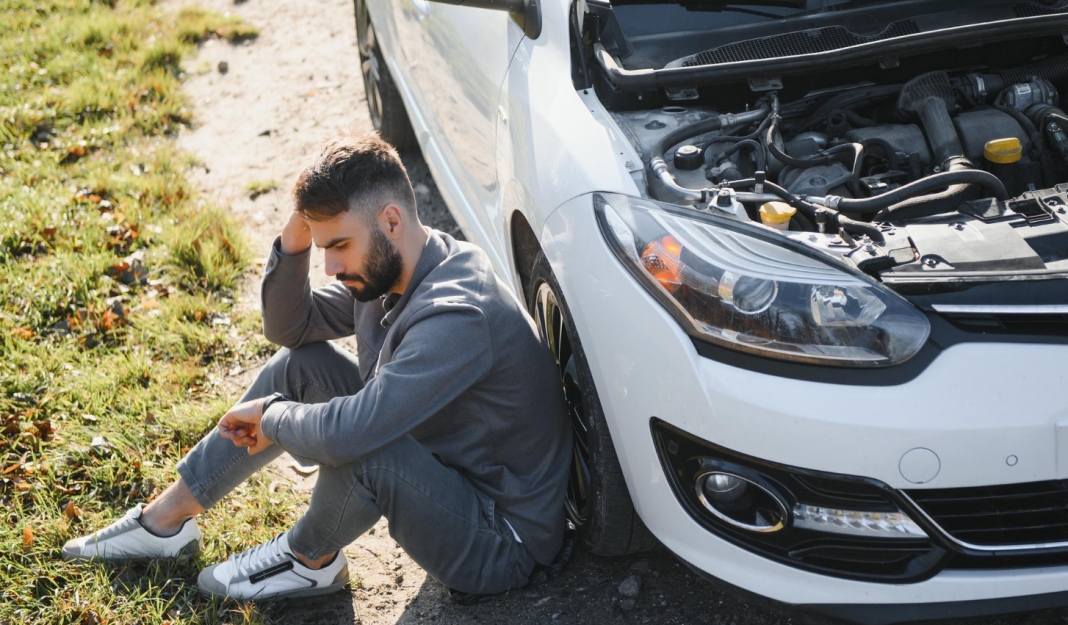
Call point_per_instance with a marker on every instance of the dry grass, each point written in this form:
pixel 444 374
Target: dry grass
pixel 116 319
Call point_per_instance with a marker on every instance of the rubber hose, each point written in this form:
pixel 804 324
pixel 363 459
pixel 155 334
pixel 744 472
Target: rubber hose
pixel 859 227
pixel 884 145
pixel 682 133
pixel 914 191
pixel 1053 69
pixel 807 208
pixel 786 159
pixel 746 143
pixel 858 162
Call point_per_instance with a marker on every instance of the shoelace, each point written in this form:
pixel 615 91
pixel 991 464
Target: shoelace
pixel 268 553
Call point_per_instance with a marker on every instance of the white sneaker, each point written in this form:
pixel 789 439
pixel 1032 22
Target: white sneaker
pixel 271 571
pixel 127 539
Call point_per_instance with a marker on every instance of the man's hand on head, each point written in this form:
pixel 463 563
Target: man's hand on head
pixel 296 235
pixel 241 424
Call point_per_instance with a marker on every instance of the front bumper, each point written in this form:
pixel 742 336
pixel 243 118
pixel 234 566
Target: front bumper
pixel 974 406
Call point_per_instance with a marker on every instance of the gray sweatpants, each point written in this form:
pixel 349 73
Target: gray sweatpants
pixel 440 519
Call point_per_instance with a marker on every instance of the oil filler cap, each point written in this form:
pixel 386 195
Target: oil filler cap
pixel 689 158
pixel 1003 151
pixel 919 465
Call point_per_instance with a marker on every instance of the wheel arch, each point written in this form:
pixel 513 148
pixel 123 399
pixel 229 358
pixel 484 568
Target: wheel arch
pixel 525 248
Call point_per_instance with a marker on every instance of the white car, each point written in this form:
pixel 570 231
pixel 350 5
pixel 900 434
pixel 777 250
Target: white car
pixel 803 264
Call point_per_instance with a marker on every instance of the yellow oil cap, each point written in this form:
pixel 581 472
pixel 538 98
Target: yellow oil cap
pixel 1003 151
pixel 776 213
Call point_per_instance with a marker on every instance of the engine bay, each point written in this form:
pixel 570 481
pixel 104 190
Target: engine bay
pixel 948 174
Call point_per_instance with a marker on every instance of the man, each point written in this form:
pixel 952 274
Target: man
pixel 451 421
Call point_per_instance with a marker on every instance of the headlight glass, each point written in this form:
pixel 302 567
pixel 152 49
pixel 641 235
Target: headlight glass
pixel 740 288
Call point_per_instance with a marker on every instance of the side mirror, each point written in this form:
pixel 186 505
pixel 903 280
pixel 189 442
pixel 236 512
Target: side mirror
pixel 526 13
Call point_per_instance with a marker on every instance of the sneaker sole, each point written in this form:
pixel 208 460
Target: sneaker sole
pixel 191 549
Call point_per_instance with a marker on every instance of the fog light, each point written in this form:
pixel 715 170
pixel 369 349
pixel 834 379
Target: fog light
pixel 741 502
pixel 856 523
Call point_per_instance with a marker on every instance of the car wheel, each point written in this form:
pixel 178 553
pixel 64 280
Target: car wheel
pixel 384 102
pixel 598 503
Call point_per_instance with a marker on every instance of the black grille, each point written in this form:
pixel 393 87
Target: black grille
pixel 801 42
pixel 995 516
pixel 1026 325
pixel 1028 9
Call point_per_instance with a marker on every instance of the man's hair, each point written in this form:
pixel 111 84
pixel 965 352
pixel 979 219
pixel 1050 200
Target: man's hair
pixel 359 172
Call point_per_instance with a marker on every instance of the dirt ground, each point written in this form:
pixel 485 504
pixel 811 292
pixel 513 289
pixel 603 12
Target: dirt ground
pixel 261 107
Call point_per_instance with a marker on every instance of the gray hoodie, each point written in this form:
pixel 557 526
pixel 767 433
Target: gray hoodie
pixel 455 361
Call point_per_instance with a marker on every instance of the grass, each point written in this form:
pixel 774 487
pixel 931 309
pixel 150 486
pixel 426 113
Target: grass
pixel 114 276
pixel 256 188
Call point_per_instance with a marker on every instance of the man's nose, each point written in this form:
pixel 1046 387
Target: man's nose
pixel 333 267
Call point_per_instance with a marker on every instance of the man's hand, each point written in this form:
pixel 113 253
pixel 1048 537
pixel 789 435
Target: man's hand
pixel 296 235
pixel 241 424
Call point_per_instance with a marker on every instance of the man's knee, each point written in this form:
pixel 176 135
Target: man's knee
pixel 288 369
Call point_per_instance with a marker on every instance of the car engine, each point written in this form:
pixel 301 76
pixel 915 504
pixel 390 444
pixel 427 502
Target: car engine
pixel 949 173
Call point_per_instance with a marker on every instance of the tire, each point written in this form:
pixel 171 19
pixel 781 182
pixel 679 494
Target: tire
pixel 384 102
pixel 598 503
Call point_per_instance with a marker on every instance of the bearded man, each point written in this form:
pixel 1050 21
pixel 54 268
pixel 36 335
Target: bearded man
pixel 449 421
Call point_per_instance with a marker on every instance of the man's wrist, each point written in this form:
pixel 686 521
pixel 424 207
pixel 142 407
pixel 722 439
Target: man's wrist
pixel 270 399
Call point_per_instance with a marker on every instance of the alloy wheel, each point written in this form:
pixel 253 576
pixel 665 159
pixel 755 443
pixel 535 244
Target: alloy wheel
pixel 553 326
pixel 365 39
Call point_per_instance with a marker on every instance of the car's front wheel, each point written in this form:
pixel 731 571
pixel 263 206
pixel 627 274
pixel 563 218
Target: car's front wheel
pixel 384 102
pixel 597 499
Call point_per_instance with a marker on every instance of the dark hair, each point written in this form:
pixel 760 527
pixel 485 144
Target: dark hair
pixel 359 172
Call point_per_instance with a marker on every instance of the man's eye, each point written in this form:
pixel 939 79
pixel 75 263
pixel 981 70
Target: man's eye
pixel 341 246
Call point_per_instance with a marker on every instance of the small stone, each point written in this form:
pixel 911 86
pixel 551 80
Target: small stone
pixel 556 616
pixel 631 587
pixel 223 67
pixel 627 604
pixel 641 567
pixel 421 190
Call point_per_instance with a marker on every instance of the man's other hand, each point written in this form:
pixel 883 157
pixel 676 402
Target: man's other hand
pixel 241 424
pixel 296 235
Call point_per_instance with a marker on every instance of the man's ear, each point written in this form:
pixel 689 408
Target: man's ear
pixel 391 219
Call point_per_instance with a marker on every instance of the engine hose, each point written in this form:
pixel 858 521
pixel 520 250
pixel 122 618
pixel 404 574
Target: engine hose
pixel 858 162
pixel 659 166
pixel 853 226
pixel 1037 140
pixel 731 138
pixel 827 156
pixel 806 212
pixel 914 191
pixel 1054 69
pixel 892 160
pixel 746 143
pixel 804 207
pixel 682 133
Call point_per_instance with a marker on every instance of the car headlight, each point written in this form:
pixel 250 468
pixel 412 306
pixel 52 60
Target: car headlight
pixel 736 286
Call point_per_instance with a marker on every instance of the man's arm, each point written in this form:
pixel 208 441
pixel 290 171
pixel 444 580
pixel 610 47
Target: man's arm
pixel 445 351
pixel 294 314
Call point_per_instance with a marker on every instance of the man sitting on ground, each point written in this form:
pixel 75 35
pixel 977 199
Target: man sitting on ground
pixel 450 421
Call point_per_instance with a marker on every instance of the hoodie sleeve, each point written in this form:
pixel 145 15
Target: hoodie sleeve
pixel 294 314
pixel 445 351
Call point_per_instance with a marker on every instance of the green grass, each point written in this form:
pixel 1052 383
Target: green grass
pixel 256 188
pixel 112 272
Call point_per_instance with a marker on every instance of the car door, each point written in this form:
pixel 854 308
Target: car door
pixel 459 77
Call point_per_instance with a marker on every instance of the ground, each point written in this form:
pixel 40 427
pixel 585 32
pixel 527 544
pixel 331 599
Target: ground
pixel 260 108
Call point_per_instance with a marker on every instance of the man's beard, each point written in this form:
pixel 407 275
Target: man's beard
pixel 382 269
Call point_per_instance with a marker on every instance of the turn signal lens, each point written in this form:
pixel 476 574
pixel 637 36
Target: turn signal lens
pixel 661 260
